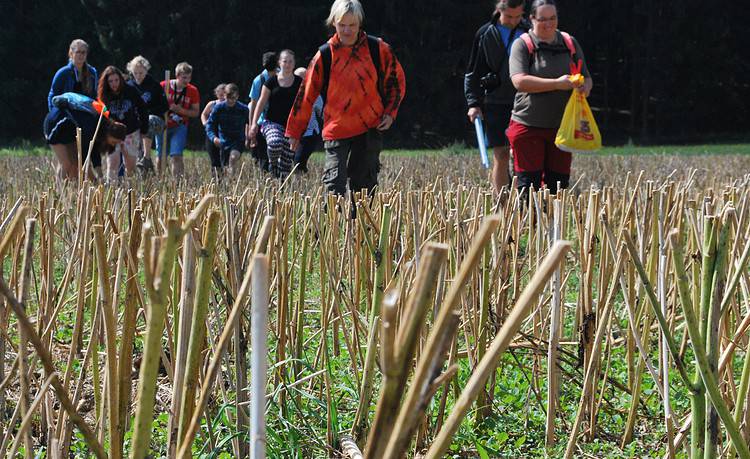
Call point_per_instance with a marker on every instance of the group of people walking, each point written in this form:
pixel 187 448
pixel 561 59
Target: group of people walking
pixel 348 96
pixel 123 115
pixel 517 81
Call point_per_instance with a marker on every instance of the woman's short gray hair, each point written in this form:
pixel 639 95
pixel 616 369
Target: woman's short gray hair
pixel 136 61
pixel 340 8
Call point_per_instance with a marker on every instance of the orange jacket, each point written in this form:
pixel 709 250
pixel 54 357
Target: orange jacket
pixel 353 103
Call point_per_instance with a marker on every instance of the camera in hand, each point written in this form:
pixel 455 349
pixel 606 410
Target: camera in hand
pixel 490 81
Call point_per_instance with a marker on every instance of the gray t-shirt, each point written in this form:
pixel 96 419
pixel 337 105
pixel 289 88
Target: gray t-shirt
pixel 551 60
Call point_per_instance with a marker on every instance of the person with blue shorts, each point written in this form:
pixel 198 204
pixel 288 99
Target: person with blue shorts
pixel 184 103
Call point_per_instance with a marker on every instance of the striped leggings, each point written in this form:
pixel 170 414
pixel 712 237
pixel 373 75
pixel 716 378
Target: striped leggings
pixel 280 156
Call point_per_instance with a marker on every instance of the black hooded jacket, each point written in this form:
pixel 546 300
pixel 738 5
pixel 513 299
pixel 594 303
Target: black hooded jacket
pixel 488 54
pixel 152 94
pixel 129 108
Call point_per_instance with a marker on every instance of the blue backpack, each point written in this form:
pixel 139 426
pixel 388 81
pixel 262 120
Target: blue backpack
pixel 75 101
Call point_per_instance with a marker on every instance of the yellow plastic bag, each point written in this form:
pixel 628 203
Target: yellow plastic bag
pixel 578 131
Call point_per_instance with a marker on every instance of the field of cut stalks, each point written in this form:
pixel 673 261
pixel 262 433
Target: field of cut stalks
pixel 253 318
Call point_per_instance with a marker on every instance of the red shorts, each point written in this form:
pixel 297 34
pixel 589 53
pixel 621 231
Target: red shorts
pixel 534 150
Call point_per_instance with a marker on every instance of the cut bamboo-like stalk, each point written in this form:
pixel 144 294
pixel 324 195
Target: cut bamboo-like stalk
pixel 158 291
pixel 26 422
pixel 259 356
pixel 709 380
pixel 593 366
pixel 404 346
pixel 499 344
pixel 12 228
pixel 554 335
pixel 125 370
pixel 437 345
pixel 365 392
pixel 484 407
pixel 110 330
pixel 661 287
pixel 197 332
pixel 349 448
pixel 186 304
pixel 49 369
pixel 184 450
pixel 23 368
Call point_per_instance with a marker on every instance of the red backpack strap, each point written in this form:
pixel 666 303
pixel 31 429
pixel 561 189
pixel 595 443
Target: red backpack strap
pixel 529 42
pixel 574 69
pixel 569 42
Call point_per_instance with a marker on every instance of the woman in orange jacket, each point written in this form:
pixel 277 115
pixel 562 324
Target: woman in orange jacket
pixel 363 85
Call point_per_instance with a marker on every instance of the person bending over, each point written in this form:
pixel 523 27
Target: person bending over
pixel 69 112
pixel 225 128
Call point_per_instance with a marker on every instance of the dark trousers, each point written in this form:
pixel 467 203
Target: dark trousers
pixel 218 158
pixel 356 160
pixel 259 153
pixel 306 148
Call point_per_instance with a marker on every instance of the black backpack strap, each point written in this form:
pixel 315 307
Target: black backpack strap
pixel 374 44
pixel 325 56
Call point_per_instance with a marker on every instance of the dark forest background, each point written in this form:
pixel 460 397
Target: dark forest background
pixel 664 71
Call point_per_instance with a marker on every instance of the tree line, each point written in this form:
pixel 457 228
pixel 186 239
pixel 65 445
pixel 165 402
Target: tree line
pixel 663 71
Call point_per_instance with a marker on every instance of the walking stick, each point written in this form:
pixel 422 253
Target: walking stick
pixel 165 146
pixel 479 127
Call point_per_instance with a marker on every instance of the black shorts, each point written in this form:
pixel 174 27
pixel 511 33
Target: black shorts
pixel 496 119
pixel 60 128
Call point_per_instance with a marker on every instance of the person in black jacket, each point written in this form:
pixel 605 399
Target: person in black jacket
pixel 156 102
pixel 487 87
pixel 126 106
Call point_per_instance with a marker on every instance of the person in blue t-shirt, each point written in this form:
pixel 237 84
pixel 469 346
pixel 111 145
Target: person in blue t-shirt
pixel 226 129
pixel 258 148
pixel 487 87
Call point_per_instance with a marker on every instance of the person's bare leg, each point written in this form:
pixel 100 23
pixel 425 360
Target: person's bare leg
pixel 129 164
pixel 178 166
pixel 500 177
pixel 112 166
pixel 147 142
pixel 65 155
pixel 159 164
pixel 234 161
